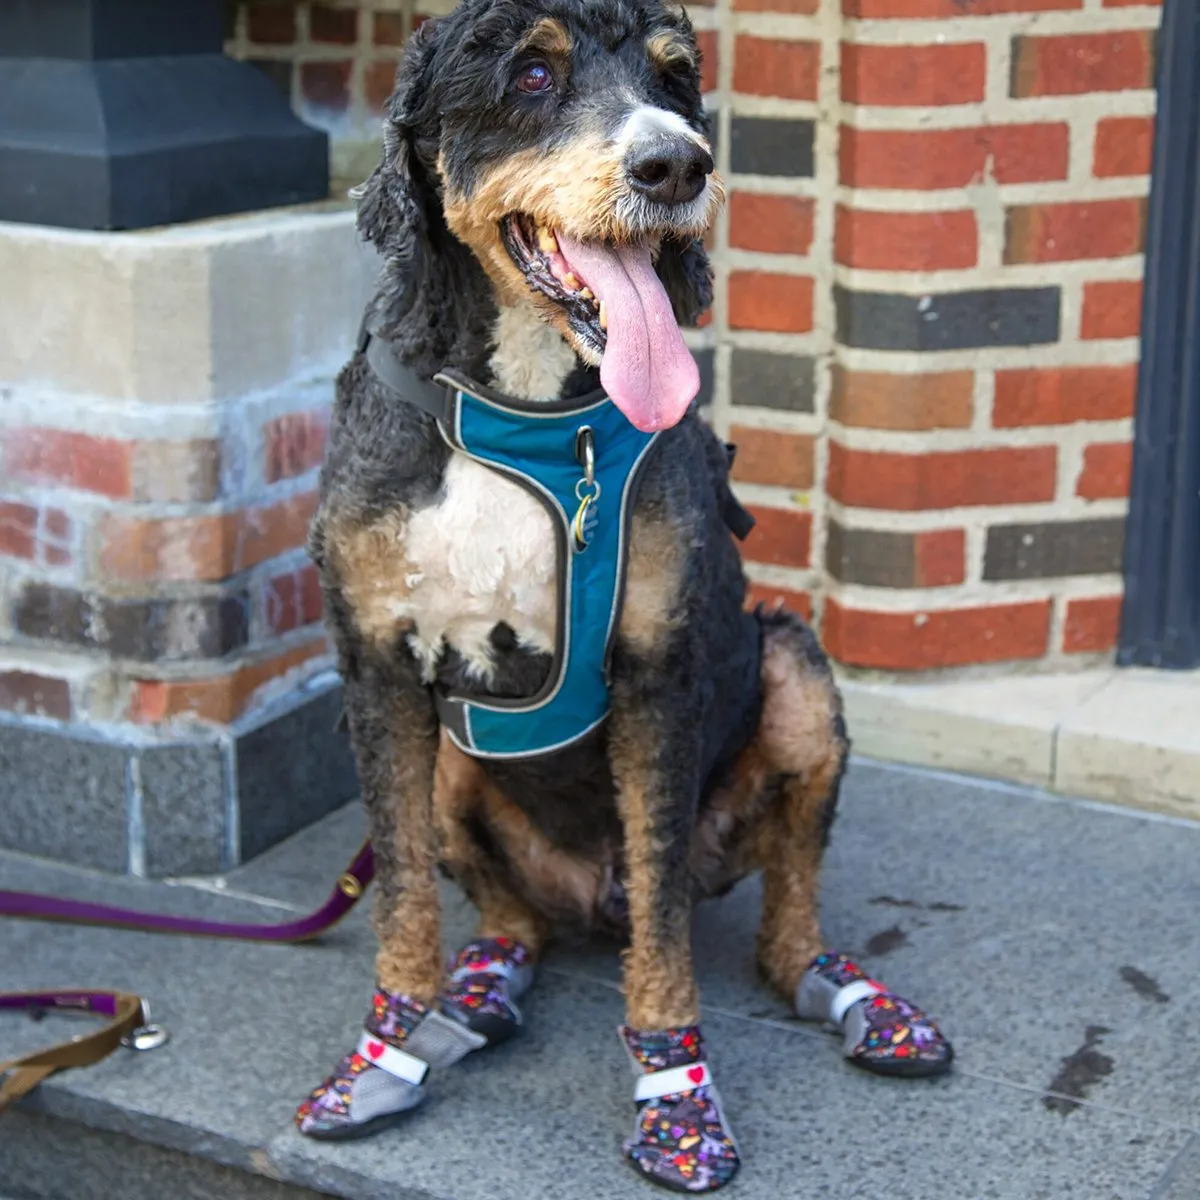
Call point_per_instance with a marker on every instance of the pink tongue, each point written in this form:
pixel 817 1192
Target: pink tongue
pixel 647 370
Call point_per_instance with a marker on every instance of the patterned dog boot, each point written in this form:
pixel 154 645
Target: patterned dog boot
pixel 484 982
pixel 383 1077
pixel 681 1139
pixel 883 1033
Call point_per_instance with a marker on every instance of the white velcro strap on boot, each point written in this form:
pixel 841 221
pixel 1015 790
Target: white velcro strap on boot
pixel 671 1081
pixel 395 1062
pixel 852 993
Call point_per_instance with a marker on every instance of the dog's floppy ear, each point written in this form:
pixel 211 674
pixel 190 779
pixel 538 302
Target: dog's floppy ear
pixel 425 299
pixel 686 274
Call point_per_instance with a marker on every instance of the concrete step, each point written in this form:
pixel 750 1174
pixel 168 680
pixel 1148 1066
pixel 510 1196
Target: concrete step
pixel 1045 935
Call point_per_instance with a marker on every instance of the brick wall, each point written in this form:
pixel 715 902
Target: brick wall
pixel 924 338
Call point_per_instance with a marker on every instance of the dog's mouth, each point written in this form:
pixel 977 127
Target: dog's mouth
pixel 618 313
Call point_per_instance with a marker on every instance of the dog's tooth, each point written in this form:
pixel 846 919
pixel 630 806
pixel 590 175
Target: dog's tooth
pixel 603 315
pixel 571 281
pixel 587 293
pixel 546 240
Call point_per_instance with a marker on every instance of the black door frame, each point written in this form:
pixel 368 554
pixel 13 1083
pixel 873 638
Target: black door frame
pixel 1160 620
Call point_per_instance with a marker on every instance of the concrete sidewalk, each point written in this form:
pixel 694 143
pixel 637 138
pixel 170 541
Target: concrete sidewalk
pixel 1056 941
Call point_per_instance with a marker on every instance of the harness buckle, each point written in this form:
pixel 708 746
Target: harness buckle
pixel 587 490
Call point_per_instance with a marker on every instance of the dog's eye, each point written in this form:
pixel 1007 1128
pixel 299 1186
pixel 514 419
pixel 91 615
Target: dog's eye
pixel 537 77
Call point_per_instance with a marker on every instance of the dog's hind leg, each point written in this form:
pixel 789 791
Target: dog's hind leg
pixel 802 737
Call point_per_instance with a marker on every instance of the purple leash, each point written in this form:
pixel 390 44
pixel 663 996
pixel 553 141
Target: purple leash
pixel 349 888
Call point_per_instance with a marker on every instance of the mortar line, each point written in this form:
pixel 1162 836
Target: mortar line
pixel 1174 1170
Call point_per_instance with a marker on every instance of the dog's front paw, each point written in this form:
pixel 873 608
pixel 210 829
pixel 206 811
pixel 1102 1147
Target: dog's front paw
pixel 374 1084
pixel 681 1140
pixel 484 982
pixel 884 1033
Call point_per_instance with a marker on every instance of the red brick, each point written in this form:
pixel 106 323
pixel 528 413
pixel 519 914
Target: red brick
pixel 379 81
pixel 880 400
pixel 217 698
pixel 326 84
pixel 924 76
pixel 335 25
pixel 775 224
pixel 770 67
pixel 1073 64
pixel 39 695
pixel 292 600
pixel 18 529
pixel 915 641
pixel 940 557
pixel 271 24
pixel 55 537
pixel 1124 146
pixel 802 8
pixel 388 29
pixel 294 444
pixel 775 597
pixel 1040 233
pixel 776 303
pixel 946 479
pixel 205 547
pixel 952 158
pixel 76 460
pixel 781 537
pixel 949 9
pixel 1092 625
pixel 1112 309
pixel 1107 467
pixel 771 457
pixel 1063 395
pixel 706 40
pixel 905 241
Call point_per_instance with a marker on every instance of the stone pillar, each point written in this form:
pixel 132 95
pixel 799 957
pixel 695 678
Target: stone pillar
pixel 167 699
pixel 121 114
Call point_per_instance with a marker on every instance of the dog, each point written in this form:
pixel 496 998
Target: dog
pixel 544 188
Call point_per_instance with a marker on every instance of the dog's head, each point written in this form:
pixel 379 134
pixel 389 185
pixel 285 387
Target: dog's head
pixel 561 145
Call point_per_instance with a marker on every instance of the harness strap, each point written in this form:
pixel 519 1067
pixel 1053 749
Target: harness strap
pixel 126 1013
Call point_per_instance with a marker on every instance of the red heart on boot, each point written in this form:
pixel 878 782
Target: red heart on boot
pixel 374 1049
pixel 695 1074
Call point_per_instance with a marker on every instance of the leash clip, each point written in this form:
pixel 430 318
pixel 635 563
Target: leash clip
pixel 147 1036
pixel 587 490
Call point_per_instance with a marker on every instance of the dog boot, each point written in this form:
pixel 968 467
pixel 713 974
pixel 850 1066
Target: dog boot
pixel 883 1033
pixel 681 1139
pixel 483 984
pixel 382 1078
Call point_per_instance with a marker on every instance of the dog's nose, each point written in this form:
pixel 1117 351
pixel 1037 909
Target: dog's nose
pixel 668 168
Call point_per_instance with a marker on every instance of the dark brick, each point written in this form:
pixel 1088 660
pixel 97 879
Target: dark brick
pixel 704 360
pixel 279 71
pixel 1050 550
pixel 769 146
pixel 948 321
pixel 26 692
pixel 874 557
pixel 157 630
pixel 763 379
pixel 337 25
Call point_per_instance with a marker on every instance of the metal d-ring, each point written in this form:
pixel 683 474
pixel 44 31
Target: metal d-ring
pixel 148 1036
pixel 585 452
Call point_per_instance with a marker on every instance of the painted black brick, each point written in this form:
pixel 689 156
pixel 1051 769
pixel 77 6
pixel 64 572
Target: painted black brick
pixel 1052 549
pixel 948 321
pixel 152 630
pixel 765 379
pixel 873 557
pixel 770 146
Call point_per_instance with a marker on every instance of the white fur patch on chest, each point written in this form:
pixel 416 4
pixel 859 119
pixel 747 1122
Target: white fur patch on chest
pixel 484 554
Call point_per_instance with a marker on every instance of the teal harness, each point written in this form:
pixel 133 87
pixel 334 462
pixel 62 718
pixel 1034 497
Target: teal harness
pixel 582 460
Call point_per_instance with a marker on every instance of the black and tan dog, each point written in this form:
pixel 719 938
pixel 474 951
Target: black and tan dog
pixel 545 179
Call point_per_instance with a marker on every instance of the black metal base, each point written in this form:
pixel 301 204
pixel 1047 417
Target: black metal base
pixel 126 143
